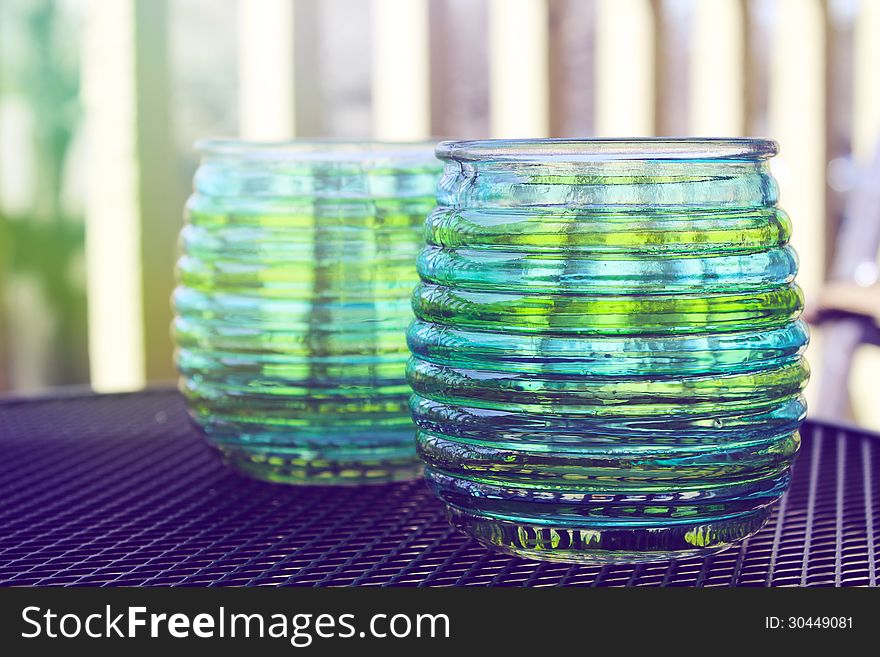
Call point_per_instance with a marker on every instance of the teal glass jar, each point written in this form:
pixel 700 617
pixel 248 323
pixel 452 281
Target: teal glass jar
pixel 607 356
pixel 292 303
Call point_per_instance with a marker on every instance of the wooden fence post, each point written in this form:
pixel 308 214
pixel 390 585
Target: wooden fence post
pixel 400 72
pixel 672 33
pixel 113 251
pixel 757 19
pixel 160 192
pixel 518 68
pixel 572 60
pixel 459 65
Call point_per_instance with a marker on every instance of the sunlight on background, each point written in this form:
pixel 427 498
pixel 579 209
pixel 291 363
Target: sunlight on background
pixel 265 69
pixel 401 103
pixel 518 74
pixel 716 102
pixel 274 69
pixel 113 256
pixel 624 72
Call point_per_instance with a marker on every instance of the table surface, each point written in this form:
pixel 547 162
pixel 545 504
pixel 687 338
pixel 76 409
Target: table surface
pixel 123 490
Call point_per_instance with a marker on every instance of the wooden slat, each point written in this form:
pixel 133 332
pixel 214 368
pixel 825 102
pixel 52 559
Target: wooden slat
pixel 717 100
pixel 308 99
pixel 459 63
pixel 572 54
pixel 757 18
pixel 401 110
pixel 624 69
pixel 332 70
pixel 343 64
pixel 672 35
pixel 518 68
pixel 266 64
pixel 113 250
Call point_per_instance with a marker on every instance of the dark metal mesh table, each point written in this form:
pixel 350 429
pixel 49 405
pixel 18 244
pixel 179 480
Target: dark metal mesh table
pixel 122 490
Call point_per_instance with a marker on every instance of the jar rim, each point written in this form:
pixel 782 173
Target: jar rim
pixel 608 149
pixel 328 150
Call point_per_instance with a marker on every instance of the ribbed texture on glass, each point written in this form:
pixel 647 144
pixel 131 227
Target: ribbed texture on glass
pixel 607 357
pixel 295 276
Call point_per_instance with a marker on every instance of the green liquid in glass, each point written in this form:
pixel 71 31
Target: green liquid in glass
pixel 293 300
pixel 607 357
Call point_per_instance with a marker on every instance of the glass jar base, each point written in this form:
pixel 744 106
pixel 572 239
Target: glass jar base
pixel 600 544
pixel 282 468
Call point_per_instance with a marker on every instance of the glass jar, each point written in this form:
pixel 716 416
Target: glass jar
pixel 607 357
pixel 295 278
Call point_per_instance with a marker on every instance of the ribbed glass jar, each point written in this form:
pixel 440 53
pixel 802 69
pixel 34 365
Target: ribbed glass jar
pixel 295 278
pixel 607 357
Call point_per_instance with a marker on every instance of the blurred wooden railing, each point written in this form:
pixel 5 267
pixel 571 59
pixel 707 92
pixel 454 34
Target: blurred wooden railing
pixel 800 71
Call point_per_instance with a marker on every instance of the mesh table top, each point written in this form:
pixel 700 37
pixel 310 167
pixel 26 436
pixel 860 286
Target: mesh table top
pixel 122 490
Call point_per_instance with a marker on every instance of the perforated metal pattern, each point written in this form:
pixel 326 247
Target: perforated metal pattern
pixel 121 489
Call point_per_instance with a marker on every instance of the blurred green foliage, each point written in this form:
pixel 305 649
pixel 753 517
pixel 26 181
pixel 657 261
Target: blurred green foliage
pixel 39 67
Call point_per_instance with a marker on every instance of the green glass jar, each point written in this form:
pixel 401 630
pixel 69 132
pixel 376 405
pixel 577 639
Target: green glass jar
pixel 294 295
pixel 607 356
